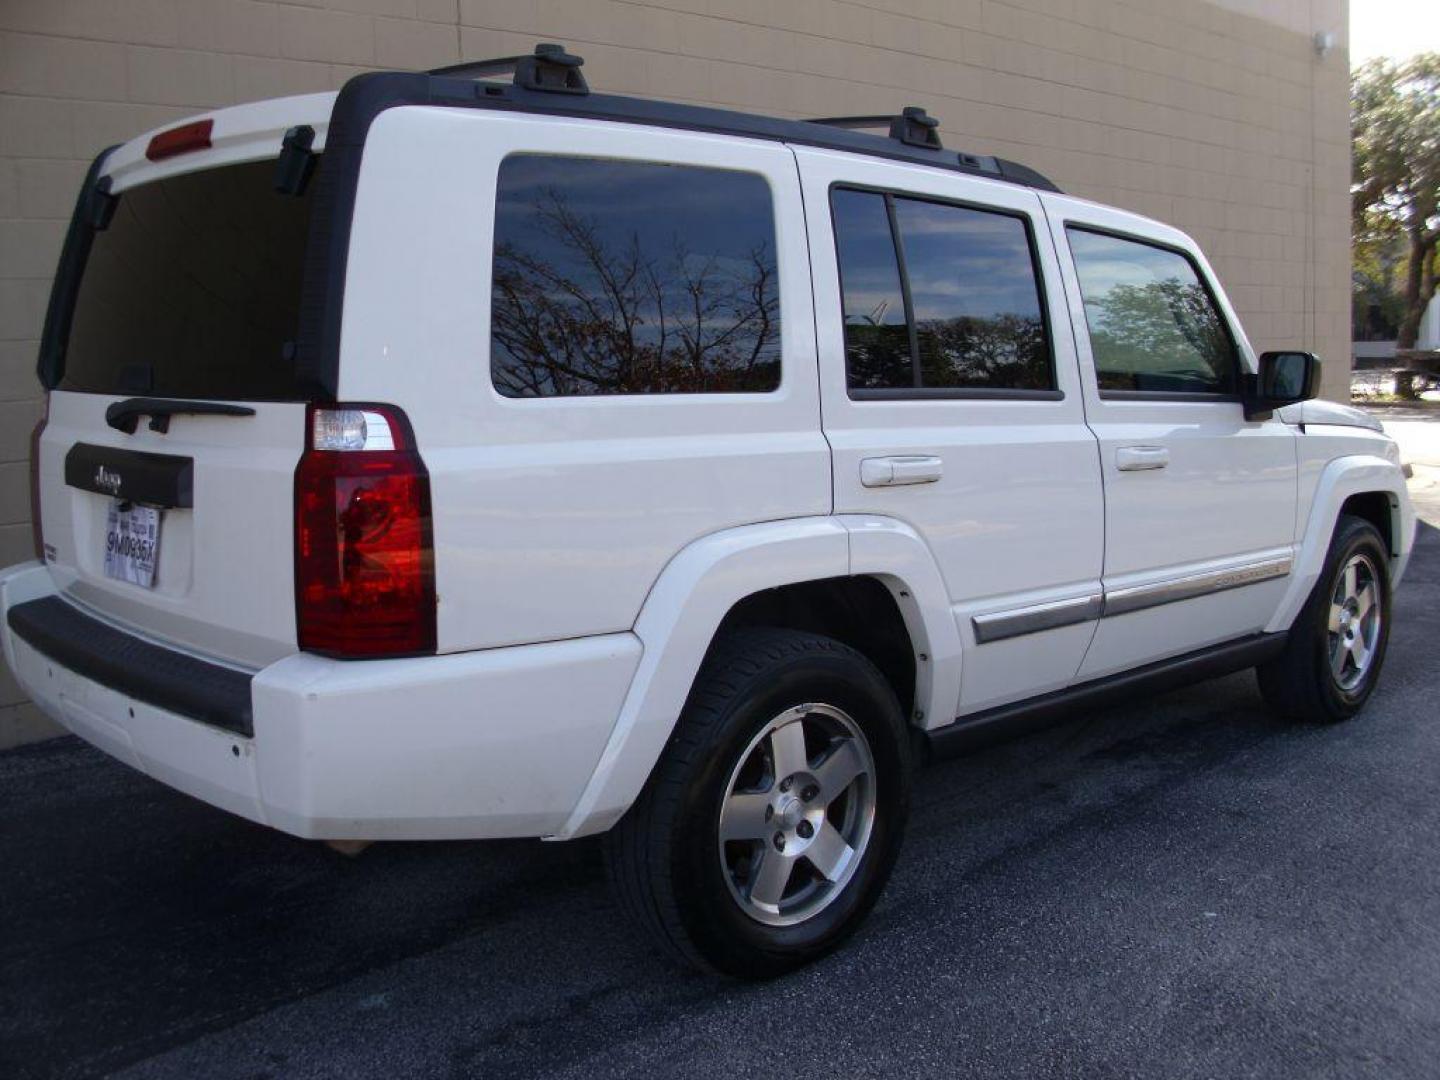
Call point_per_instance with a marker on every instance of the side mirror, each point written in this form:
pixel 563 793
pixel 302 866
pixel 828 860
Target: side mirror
pixel 1283 379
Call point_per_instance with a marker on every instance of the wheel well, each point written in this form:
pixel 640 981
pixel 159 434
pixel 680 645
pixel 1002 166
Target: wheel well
pixel 856 611
pixel 1374 507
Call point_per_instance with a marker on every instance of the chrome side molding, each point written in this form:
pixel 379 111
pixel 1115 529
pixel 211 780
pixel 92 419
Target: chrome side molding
pixel 999 625
pixel 1140 597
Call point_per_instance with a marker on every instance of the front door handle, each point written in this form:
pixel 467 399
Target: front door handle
pixel 1140 458
pixel 900 469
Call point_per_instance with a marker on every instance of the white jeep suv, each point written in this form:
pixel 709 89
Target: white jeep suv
pixel 466 457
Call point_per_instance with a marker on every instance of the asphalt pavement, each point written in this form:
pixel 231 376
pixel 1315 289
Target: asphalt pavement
pixel 1183 887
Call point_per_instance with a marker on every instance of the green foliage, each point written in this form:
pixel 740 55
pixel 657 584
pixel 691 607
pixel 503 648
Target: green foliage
pixel 1395 185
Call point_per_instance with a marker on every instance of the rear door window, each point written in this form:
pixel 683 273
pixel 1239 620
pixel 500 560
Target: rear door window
pixel 939 298
pixel 193 290
pixel 627 277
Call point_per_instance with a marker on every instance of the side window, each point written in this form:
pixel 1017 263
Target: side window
pixel 938 297
pixel 1153 324
pixel 877 332
pixel 622 277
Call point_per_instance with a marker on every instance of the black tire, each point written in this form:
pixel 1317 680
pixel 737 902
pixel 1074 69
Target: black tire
pixel 665 857
pixel 1299 684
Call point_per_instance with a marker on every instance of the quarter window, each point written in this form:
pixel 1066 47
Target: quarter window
pixel 938 297
pixel 621 277
pixel 1153 324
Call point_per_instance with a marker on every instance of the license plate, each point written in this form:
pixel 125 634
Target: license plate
pixel 132 543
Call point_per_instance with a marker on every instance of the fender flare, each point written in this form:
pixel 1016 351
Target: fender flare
pixel 695 592
pixel 1356 474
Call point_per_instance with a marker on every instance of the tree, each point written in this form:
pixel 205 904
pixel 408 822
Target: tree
pixel 1395 186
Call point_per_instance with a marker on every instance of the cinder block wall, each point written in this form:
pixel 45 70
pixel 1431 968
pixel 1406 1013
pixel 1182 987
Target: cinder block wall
pixel 1215 115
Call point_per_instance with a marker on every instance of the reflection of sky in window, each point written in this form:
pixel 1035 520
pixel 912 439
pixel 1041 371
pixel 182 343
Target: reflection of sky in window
pixel 718 213
pixel 964 262
pixel 1105 262
pixel 867 259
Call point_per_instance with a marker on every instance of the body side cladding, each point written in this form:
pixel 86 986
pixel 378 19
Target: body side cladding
pixel 1357 474
pixel 676 625
pixel 701 585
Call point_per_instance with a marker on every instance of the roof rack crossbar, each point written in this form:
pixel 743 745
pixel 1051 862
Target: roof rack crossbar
pixel 913 127
pixel 549 68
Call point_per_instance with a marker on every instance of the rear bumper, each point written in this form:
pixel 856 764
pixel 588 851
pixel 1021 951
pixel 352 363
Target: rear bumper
pixel 497 743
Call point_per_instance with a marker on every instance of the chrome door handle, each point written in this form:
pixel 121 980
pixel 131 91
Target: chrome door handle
pixel 1140 458
pixel 900 469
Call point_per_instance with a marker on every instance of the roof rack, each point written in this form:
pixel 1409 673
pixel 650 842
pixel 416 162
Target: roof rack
pixel 549 81
pixel 913 127
pixel 549 68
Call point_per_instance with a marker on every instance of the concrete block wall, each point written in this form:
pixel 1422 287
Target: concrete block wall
pixel 1215 115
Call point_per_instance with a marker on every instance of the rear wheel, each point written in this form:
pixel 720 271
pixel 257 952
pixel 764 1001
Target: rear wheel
pixel 771 822
pixel 1336 647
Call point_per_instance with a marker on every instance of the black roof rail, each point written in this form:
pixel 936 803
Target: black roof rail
pixel 549 68
pixel 913 127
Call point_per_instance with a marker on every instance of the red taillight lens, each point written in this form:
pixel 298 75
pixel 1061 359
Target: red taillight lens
pixel 180 140
pixel 36 531
pixel 364 559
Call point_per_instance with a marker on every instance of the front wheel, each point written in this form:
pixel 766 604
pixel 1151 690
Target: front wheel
pixel 1336 647
pixel 771 823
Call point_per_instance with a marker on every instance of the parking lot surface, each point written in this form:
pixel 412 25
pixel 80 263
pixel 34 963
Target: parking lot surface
pixel 1180 887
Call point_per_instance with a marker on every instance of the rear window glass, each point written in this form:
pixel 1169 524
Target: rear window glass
pixel 194 290
pixel 625 277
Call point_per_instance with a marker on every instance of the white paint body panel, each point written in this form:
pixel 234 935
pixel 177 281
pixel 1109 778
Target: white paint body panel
pixel 1017 510
pixel 554 517
pixel 1227 495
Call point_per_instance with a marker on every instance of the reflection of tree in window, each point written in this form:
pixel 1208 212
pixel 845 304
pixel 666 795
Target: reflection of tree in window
pixel 1166 329
pixel 632 294
pixel 1153 325
pixel 971 287
pixel 1003 350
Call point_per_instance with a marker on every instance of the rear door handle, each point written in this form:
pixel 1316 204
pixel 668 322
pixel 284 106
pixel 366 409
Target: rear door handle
pixel 1140 458
pixel 900 469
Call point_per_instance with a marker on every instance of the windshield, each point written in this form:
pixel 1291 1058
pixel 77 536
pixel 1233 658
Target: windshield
pixel 194 290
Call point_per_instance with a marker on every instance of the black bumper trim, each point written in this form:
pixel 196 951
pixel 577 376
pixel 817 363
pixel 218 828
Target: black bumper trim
pixel 158 676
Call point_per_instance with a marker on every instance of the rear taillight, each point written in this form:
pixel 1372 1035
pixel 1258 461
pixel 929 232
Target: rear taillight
pixel 36 531
pixel 364 560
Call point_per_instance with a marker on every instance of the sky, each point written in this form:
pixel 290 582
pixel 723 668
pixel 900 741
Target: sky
pixel 1394 28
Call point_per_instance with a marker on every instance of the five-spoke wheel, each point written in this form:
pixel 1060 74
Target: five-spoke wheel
pixel 797 814
pixel 1334 648
pixel 1356 615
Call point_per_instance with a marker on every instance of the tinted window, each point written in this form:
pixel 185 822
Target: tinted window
pixel 1153 324
pixel 976 301
pixel 615 277
pixel 877 337
pixel 965 277
pixel 193 290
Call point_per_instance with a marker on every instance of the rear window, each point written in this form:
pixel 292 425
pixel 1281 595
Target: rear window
pixel 193 291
